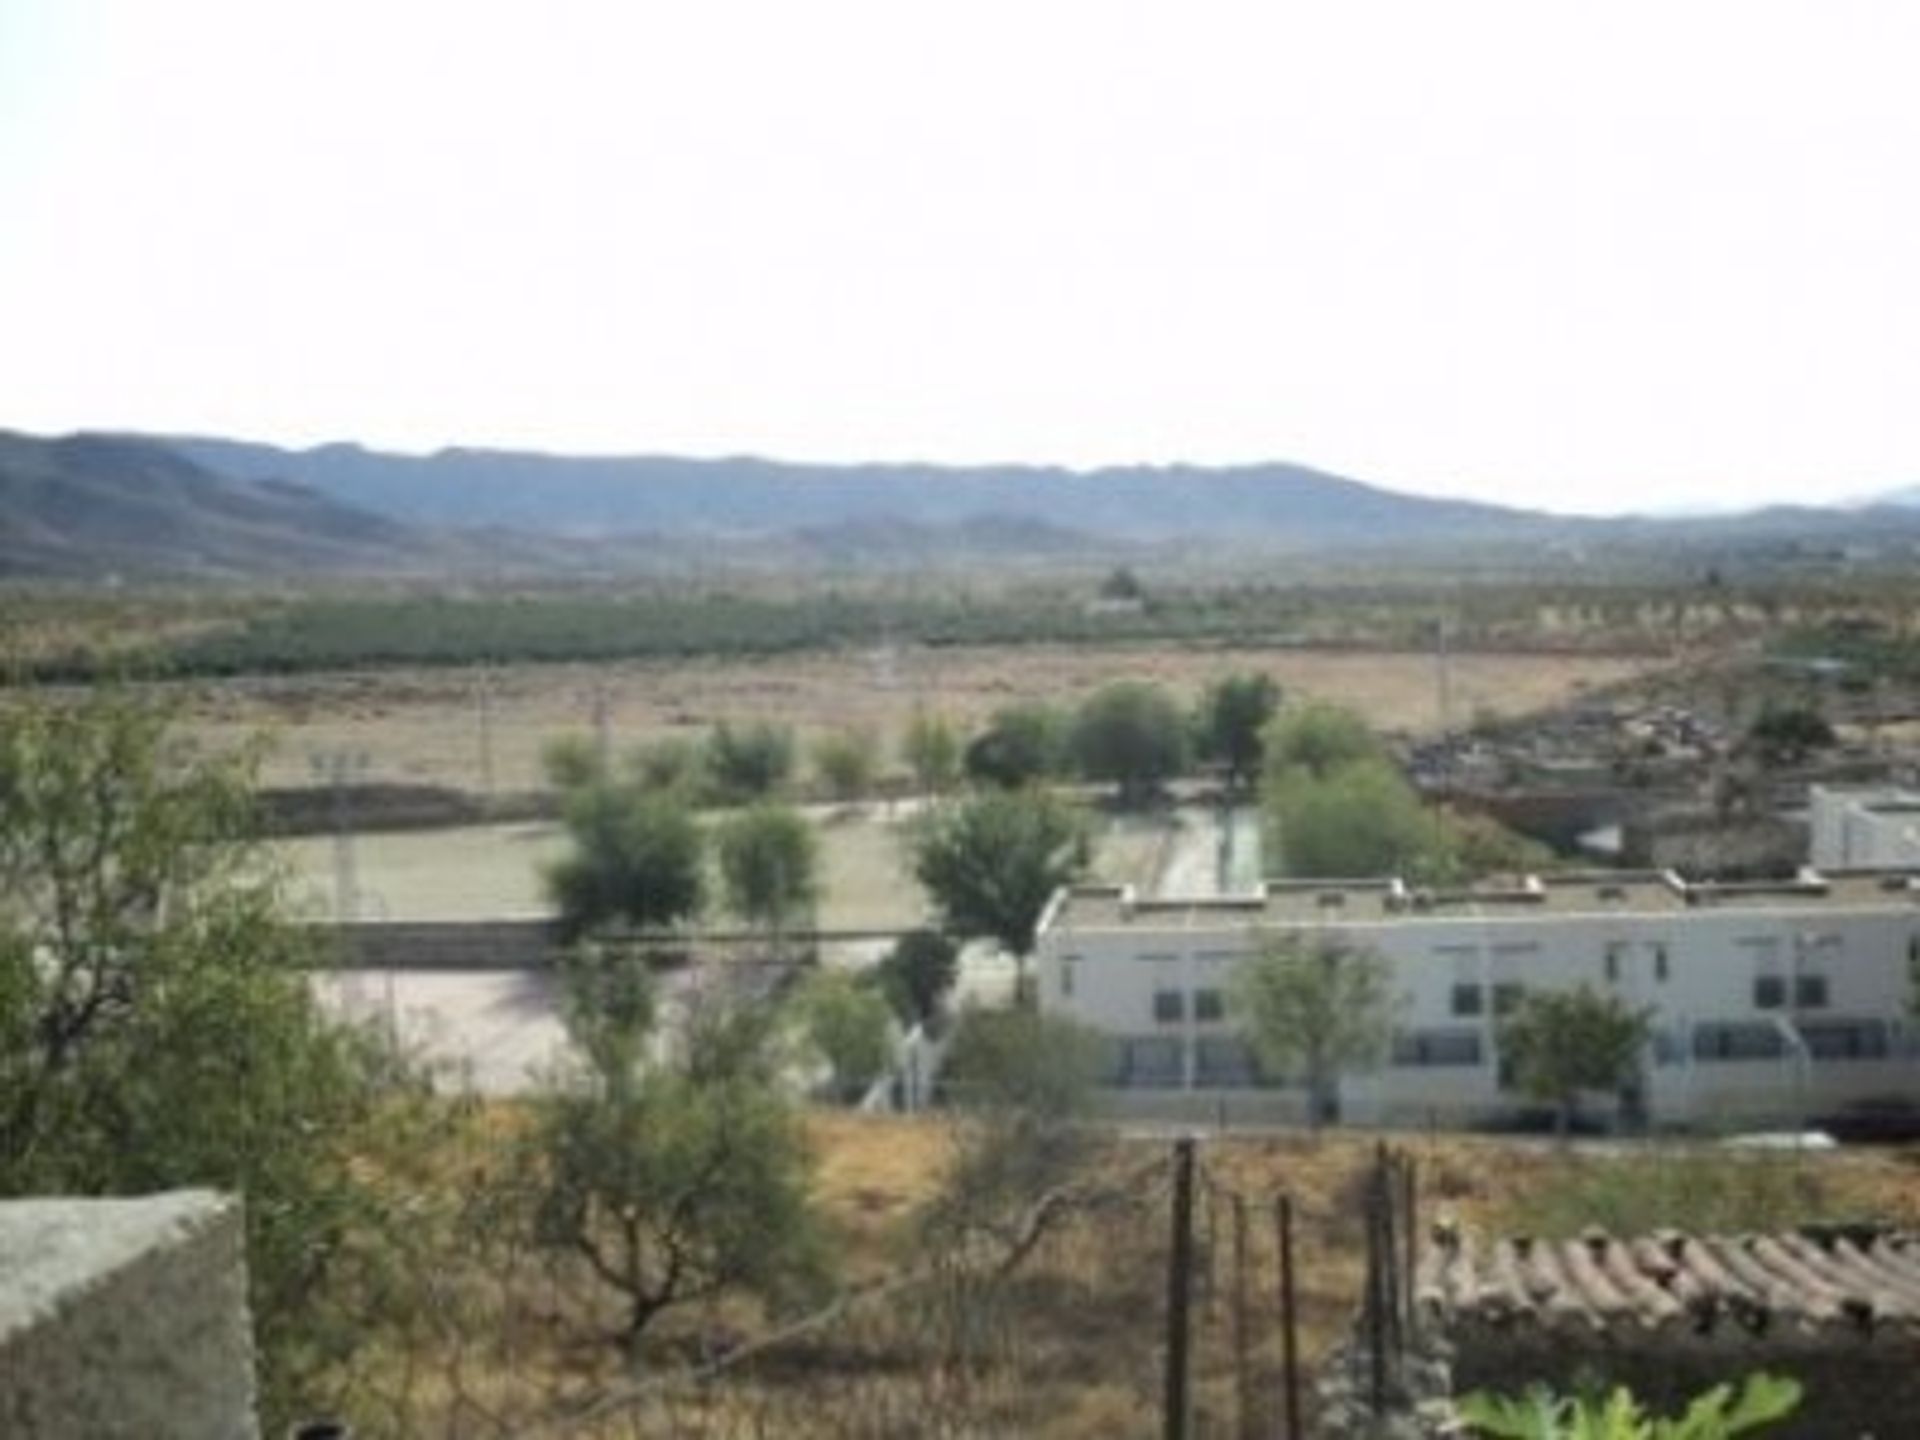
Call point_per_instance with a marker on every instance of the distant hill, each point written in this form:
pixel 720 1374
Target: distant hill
pixel 1278 505
pixel 94 505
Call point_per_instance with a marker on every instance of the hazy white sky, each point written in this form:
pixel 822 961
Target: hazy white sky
pixel 1589 255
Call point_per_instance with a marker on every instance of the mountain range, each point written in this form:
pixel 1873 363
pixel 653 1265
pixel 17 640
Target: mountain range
pixel 89 505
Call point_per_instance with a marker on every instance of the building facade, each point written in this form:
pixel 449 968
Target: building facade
pixel 1874 828
pixel 1770 1003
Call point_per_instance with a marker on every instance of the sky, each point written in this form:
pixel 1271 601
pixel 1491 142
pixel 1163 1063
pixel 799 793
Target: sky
pixel 1584 256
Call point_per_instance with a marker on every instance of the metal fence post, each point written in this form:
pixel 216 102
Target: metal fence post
pixel 1179 1291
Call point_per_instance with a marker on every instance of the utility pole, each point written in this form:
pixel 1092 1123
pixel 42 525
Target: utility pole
pixel 1179 1292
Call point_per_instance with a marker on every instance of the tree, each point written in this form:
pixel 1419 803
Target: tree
pixel 992 861
pixel 845 762
pixel 1129 733
pixel 917 974
pixel 1786 735
pixel 674 763
pixel 1021 1060
pixel 751 762
pixel 571 762
pixel 157 1027
pixel 769 859
pixel 1360 819
pixel 849 1026
pixel 1021 744
pixel 1318 738
pixel 1560 1042
pixel 1232 717
pixel 1313 1008
pixel 636 858
pixel 931 750
pixel 674 1181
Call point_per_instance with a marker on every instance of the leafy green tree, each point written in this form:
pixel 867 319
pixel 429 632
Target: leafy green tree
pixel 1313 1008
pixel 845 762
pixel 636 858
pixel 1022 1060
pixel 157 1028
pixel 673 763
pixel 1787 734
pixel 1361 819
pixel 1129 733
pixel 674 1180
pixel 1318 738
pixel 751 761
pixel 1021 744
pixel 931 750
pixel 849 1026
pixel 917 974
pixel 1231 720
pixel 992 861
pixel 1561 1042
pixel 769 866
pixel 1719 1414
pixel 571 762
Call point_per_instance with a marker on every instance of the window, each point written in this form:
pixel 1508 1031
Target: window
pixel 1421 1048
pixel 1810 992
pixel 1169 1006
pixel 1738 1040
pixel 1067 967
pixel 1468 999
pixel 1208 1005
pixel 1660 963
pixel 1221 1062
pixel 1611 964
pixel 1846 1039
pixel 1149 1064
pixel 1769 992
pixel 1506 997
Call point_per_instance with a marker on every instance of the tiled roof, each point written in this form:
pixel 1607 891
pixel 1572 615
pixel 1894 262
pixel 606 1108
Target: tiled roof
pixel 1799 1285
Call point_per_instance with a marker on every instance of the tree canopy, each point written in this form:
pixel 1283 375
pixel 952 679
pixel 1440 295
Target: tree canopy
pixel 1021 744
pixel 1130 733
pixel 769 862
pixel 749 762
pixel 1314 1007
pixel 849 1026
pixel 917 973
pixel 1231 720
pixel 1561 1042
pixel 1318 738
pixel 931 750
pixel 845 761
pixel 636 857
pixel 991 862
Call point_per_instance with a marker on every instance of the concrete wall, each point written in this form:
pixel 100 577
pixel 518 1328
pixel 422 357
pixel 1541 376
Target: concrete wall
pixel 444 944
pixel 125 1318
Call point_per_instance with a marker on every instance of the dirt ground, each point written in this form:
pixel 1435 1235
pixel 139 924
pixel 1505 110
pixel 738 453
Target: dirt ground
pixel 484 730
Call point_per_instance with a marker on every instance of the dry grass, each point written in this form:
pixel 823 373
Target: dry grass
pixel 424 725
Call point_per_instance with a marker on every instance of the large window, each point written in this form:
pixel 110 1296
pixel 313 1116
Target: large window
pixel 1420 1048
pixel 1209 1005
pixel 1738 1040
pixel 1810 992
pixel 1468 998
pixel 1846 1039
pixel 1769 992
pixel 1149 1063
pixel 1221 1062
pixel 1169 1006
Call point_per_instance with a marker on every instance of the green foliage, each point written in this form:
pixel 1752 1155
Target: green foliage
pixel 156 1025
pixel 1121 584
pixel 1703 1189
pixel 845 762
pixel 769 863
pixel 991 862
pixel 917 974
pixel 1312 1008
pixel 1231 720
pixel 636 858
pixel 1561 1042
pixel 1021 744
pixel 1020 1060
pixel 931 749
pixel 1787 734
pixel 848 1026
pixel 1318 738
pixel 749 762
pixel 674 764
pixel 1129 733
pixel 1719 1414
pixel 678 1181
pixel 572 762
pixel 1358 820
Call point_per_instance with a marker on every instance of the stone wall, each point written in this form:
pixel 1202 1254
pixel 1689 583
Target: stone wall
pixel 125 1318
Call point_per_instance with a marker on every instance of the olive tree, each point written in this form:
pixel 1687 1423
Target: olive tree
pixel 1129 733
pixel 769 859
pixel 1561 1042
pixel 1312 1008
pixel 635 857
pixel 1231 719
pixel 845 762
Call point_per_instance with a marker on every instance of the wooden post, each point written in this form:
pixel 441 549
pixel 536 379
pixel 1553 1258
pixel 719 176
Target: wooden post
pixel 1242 1365
pixel 1289 1323
pixel 1179 1292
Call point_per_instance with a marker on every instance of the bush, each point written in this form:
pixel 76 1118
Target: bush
pixel 751 762
pixel 1129 733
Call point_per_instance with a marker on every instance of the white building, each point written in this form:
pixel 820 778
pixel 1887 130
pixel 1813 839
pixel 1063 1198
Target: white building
pixel 1877 828
pixel 1771 1002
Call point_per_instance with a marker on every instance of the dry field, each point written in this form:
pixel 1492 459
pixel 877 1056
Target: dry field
pixel 450 727
pixel 1070 1345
